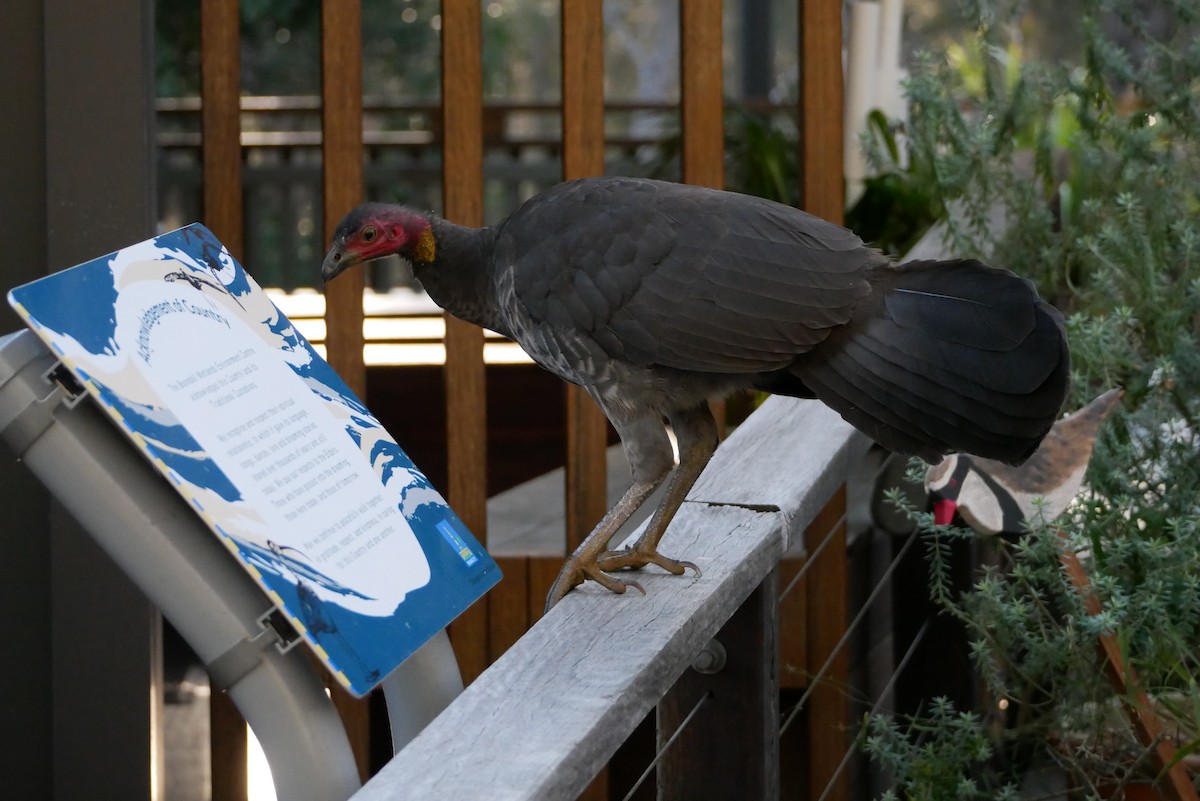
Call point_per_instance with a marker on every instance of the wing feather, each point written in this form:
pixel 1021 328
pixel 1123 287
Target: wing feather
pixel 683 277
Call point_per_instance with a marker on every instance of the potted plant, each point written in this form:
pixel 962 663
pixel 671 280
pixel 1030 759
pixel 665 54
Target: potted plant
pixel 1093 170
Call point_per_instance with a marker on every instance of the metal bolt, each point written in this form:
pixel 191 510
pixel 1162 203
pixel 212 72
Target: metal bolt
pixel 711 660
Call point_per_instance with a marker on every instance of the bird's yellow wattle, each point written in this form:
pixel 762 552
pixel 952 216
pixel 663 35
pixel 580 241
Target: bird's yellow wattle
pixel 425 249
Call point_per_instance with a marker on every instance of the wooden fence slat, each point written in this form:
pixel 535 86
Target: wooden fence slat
pixel 586 465
pixel 221 149
pixel 702 105
pixel 220 122
pixel 583 88
pixel 823 188
pixel 827 704
pixel 342 160
pixel 583 155
pixel 466 416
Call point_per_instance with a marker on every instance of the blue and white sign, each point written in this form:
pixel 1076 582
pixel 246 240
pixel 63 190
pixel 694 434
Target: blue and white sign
pixel 269 446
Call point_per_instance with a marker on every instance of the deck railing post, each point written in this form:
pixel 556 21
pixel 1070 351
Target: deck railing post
pixel 730 747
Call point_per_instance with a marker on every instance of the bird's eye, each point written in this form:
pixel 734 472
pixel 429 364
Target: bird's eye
pixel 368 234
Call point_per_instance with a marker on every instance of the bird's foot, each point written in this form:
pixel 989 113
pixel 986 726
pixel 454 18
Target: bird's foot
pixel 575 571
pixel 638 557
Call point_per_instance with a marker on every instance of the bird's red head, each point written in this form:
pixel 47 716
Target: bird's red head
pixel 375 230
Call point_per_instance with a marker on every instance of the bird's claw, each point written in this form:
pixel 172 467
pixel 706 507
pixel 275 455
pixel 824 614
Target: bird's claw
pixel 635 558
pixel 572 575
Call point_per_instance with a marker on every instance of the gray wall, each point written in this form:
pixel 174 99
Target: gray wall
pixel 80 663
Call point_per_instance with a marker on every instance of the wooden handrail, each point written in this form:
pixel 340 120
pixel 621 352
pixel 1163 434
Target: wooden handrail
pixel 547 716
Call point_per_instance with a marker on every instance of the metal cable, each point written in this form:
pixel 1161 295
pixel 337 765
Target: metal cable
pixel 878 702
pixel 670 740
pixel 912 538
pixel 812 557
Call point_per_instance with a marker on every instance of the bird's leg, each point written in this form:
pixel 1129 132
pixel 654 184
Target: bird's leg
pixel 649 453
pixel 696 433
pixel 581 565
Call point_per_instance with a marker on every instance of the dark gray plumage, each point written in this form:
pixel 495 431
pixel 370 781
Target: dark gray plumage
pixel 656 297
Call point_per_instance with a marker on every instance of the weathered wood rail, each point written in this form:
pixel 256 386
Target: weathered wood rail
pixel 545 718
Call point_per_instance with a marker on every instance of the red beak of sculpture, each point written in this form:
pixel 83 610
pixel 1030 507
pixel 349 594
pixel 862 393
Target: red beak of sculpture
pixel 943 512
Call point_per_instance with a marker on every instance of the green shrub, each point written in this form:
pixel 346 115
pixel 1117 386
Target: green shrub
pixel 1085 178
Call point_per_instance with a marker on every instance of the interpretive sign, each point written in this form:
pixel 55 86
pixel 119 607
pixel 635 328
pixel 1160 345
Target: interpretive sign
pixel 268 445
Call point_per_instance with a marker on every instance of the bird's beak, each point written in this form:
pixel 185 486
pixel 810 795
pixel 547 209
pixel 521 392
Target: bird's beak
pixel 943 511
pixel 336 261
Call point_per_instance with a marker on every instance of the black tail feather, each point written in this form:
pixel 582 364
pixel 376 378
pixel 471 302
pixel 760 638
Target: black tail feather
pixel 946 356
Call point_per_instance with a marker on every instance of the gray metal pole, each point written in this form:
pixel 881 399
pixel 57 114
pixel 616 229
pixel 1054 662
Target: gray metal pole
pixel 418 690
pixel 182 568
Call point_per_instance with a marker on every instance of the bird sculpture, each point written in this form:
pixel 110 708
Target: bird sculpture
pixel 656 297
pixel 996 498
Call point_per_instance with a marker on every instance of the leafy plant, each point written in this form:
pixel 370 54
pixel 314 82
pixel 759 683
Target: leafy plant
pixel 899 203
pixel 1086 179
pixel 933 758
pixel 761 155
pixel 761 152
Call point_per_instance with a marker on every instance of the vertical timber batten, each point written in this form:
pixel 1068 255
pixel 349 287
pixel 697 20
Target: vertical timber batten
pixel 583 155
pixel 342 157
pixel 342 160
pixel 702 94
pixel 702 106
pixel 586 466
pixel 822 96
pixel 823 194
pixel 466 416
pixel 220 122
